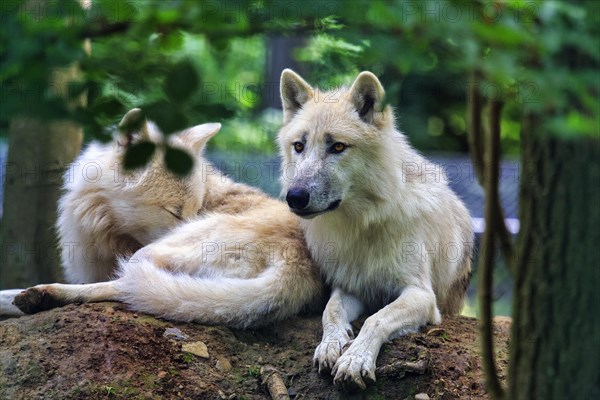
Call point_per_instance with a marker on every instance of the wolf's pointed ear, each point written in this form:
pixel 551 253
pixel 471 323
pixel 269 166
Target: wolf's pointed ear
pixel 295 92
pixel 133 128
pixel 367 95
pixel 197 136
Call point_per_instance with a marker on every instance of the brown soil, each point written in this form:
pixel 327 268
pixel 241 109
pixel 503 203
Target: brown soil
pixel 102 351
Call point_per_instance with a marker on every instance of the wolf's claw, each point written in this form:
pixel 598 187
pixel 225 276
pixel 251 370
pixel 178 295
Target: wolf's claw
pixel 326 355
pixel 355 369
pixel 329 351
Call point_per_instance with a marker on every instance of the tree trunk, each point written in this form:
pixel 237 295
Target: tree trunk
pixel 280 56
pixel 38 153
pixel 554 345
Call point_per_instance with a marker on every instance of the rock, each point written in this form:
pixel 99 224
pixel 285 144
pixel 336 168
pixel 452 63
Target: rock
pixel 503 324
pixel 101 347
pixel 197 348
pixel 421 396
pixel 175 334
pixel 223 365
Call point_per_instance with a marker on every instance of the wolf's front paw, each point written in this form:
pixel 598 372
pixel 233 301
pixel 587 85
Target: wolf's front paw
pixel 326 354
pixel 335 340
pixel 34 300
pixel 354 369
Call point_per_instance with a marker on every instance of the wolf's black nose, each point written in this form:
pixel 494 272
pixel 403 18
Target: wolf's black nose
pixel 297 198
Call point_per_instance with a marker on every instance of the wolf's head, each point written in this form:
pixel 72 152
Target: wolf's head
pixel 152 200
pixel 331 144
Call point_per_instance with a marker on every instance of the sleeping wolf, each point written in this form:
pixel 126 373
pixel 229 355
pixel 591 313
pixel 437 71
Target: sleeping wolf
pixel 402 238
pixel 107 212
pixel 240 259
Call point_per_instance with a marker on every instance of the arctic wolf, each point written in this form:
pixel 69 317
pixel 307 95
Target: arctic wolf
pixel 402 239
pixel 240 260
pixel 108 212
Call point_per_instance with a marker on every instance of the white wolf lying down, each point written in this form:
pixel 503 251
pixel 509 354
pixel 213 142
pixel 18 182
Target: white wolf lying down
pixel 402 238
pixel 107 212
pixel 240 260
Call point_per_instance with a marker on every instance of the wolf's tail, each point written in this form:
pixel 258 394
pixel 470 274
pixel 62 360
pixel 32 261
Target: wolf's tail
pixel 234 302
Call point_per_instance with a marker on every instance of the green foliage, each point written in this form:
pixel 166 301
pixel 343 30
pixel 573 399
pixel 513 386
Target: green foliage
pixel 181 81
pixel 178 161
pixel 108 390
pixel 187 357
pixel 253 371
pixel 249 134
pixel 333 60
pixel 189 62
pixel 138 155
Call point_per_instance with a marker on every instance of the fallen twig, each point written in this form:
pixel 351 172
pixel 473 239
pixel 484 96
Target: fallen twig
pixel 270 376
pixel 400 368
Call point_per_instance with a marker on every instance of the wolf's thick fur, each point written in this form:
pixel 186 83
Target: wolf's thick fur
pixel 402 238
pixel 241 259
pixel 108 212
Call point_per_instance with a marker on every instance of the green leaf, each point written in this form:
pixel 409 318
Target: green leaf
pixel 507 35
pixel 76 90
pixel 181 82
pixel 97 131
pixel 178 161
pixel 167 116
pixel 110 107
pixel 114 11
pixel 138 155
pixel 213 112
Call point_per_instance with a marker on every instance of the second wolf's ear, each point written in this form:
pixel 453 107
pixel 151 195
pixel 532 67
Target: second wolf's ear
pixel 197 136
pixel 367 95
pixel 295 92
pixel 133 128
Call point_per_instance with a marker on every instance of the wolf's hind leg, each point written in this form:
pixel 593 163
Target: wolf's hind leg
pixel 44 297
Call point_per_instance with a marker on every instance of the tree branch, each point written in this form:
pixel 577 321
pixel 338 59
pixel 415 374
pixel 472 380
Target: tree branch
pixel 307 26
pixel 486 260
pixel 474 132
pixel 506 242
pixel 476 151
pixel 104 30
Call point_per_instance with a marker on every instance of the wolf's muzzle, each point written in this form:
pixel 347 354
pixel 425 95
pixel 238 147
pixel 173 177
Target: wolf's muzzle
pixel 297 198
pixel 308 213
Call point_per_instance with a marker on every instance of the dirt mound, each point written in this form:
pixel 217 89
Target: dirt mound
pixel 102 351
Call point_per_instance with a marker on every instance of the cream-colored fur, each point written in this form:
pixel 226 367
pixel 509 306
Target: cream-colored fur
pixel 402 239
pixel 108 212
pixel 239 258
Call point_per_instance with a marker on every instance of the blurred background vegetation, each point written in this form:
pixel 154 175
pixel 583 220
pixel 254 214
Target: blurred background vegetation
pixel 188 62
pixel 70 68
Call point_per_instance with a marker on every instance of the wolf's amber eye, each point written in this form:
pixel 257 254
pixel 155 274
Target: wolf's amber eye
pixel 338 147
pixel 298 146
